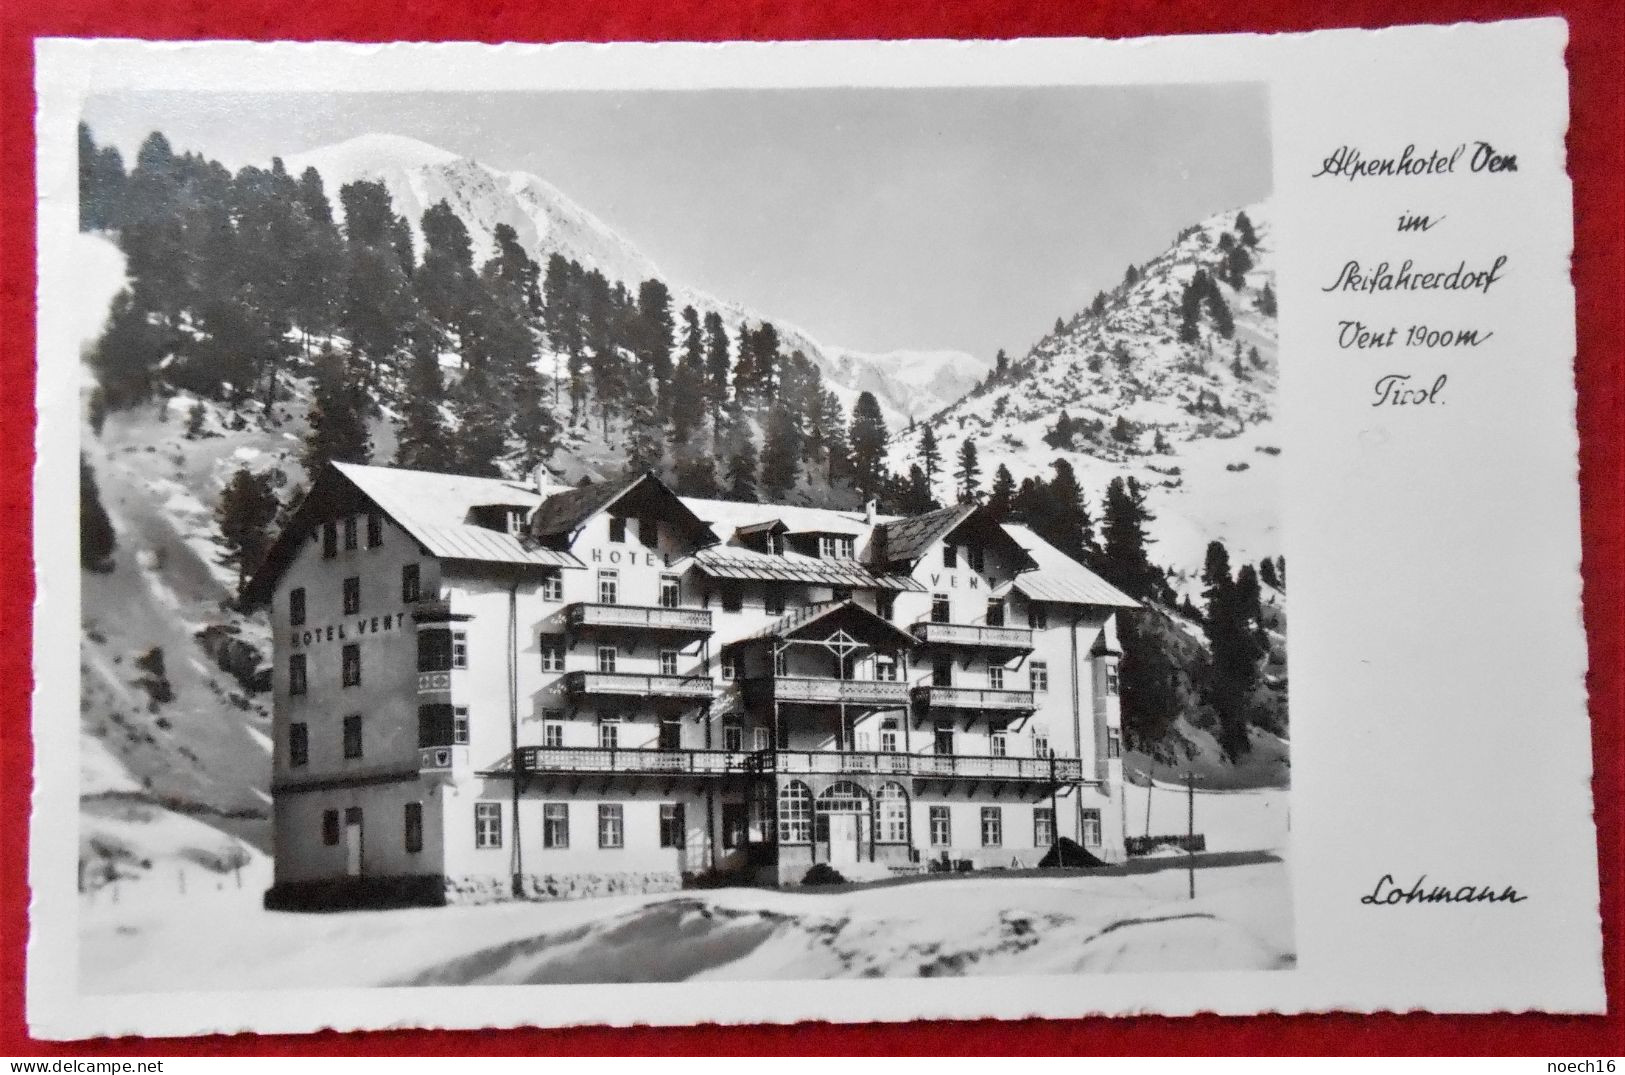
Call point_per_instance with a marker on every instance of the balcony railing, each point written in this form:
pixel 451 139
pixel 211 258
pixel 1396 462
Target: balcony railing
pixel 1060 770
pixel 637 685
pixel 975 698
pixel 974 636
pixel 641 618
pixel 815 690
pixel 638 760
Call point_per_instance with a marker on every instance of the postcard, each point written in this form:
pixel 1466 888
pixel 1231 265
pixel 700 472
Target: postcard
pixel 676 533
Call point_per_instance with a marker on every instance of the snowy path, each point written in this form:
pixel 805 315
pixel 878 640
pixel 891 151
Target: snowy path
pixel 1241 919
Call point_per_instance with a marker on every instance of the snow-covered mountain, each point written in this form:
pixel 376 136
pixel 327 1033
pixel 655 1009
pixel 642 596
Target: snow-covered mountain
pixel 1203 439
pixel 908 384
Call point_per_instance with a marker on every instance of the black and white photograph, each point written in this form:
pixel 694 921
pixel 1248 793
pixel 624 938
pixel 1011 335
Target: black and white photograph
pixel 719 534
pixel 598 521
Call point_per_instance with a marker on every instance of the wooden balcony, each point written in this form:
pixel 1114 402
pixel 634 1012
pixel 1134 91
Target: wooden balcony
pixel 638 685
pixel 686 621
pixel 976 699
pixel 815 690
pixel 974 636
pixel 930 766
pixel 646 760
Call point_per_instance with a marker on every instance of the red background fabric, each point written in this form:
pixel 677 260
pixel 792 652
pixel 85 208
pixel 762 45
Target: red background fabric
pixel 1597 32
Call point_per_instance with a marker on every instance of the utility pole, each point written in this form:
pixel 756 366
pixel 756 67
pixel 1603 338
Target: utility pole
pixel 1190 829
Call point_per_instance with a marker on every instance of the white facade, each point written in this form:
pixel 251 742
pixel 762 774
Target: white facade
pixel 677 700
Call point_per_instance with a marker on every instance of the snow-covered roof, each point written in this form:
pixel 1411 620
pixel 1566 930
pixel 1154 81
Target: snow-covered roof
pixel 1060 578
pixel 847 613
pixel 732 562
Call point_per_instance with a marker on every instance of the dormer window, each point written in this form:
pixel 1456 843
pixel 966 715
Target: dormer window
pixel 836 547
pixel 516 521
pixel 775 544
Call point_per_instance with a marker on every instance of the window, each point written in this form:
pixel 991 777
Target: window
pixel 733 736
pixel 649 532
pixel 330 827
pixel 459 726
pixel 795 813
pixel 609 587
pixel 515 519
pixel 942 739
pixel 735 825
pixel 349 533
pixel 553 587
pixel 673 828
pixel 731 599
pixel 487 825
pixel 759 739
pixel 552 654
pixel 1040 742
pixel 942 831
pixel 1038 616
pixel 552 728
pixel 611 825
pixel 352 735
pixel 978 560
pixel 411 584
pixel 942 672
pixel 992 826
pixel 330 540
pixel 434 650
pixel 671 734
pixel 995 613
pixel 1112 682
pixel 556 825
pixel 836 547
pixel 773 601
pixel 671 591
pixel 995 677
pixel 886 669
pixel 352 666
pixel 609 732
pixel 892 810
pixel 999 743
pixel 885 605
pixel 1038 675
pixel 436 724
pixel 781 663
pixel 775 544
pixel 1043 826
pixel 1114 743
pixel 1091 827
pixel 298 745
pixel 296 606
pixel 412 825
pixel 459 649
pixel 668 662
pixel 296 674
pixel 941 609
pixel 888 735
pixel 730 666
pixel 607 655
pixel 352 595
pixel 950 556
pixel 617 528
pixel 375 529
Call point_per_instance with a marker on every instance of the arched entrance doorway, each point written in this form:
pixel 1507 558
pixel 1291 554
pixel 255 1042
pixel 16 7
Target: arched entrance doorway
pixel 843 823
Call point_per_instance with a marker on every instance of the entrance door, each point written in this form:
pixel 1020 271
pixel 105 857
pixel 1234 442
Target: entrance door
pixel 843 839
pixel 352 841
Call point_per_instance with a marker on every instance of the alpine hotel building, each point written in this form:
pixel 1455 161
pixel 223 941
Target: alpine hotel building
pixel 486 689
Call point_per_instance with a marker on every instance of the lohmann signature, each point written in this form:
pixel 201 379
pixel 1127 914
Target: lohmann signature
pixel 1389 894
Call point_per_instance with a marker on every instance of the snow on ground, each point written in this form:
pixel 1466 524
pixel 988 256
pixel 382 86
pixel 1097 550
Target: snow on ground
pixel 1247 819
pixel 984 925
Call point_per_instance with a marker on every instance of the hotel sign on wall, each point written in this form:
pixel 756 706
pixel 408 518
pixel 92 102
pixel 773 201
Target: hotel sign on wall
pixel 345 630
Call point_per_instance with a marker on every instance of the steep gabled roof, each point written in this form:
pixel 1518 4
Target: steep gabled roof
pixel 848 614
pixel 432 508
pixel 1061 579
pixel 903 541
pixel 562 513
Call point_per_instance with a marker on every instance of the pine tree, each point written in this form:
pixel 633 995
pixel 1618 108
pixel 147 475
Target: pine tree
pixel 1244 229
pixel 716 369
pixel 781 452
pixel 741 474
pixel 1219 310
pixel 1266 301
pixel 1159 444
pixel 97 538
pixel 1062 435
pixel 1124 559
pixel 481 439
pixel 422 442
pixel 655 331
pixel 248 506
pixel 1059 328
pixel 338 426
pixel 1122 431
pixel 868 440
pixel 930 455
pixel 127 356
pixel 1001 364
pixel 1233 651
pixel 1002 498
pixel 101 183
pixel 969 474
pixel 1266 572
pixel 695 471
pixel 1066 516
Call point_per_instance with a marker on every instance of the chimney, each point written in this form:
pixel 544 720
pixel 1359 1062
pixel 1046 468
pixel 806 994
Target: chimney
pixel 539 477
pixel 869 512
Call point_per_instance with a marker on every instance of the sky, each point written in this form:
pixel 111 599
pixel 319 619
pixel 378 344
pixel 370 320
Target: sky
pixel 875 219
